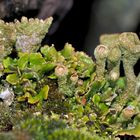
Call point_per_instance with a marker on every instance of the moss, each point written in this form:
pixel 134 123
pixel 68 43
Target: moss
pixel 42 128
pixel 5 118
pixel 69 134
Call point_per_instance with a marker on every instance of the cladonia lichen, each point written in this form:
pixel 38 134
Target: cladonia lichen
pixel 114 49
pixel 40 85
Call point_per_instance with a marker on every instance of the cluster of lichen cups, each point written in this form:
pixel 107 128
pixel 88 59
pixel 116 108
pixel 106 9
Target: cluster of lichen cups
pixel 85 99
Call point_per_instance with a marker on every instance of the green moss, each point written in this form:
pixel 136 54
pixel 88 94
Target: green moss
pixel 5 118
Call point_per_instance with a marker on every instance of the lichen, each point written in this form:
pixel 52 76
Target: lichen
pixel 50 94
pixel 7 96
pixel 114 49
pixel 29 33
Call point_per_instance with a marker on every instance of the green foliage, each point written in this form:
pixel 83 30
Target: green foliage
pixel 131 132
pixel 42 95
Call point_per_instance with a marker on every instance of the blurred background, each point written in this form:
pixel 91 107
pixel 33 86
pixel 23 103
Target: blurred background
pixel 78 22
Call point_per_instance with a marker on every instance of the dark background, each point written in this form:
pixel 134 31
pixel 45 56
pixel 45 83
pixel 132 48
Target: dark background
pixel 75 27
pixel 78 22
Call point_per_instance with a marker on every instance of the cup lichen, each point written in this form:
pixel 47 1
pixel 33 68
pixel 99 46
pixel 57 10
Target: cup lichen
pixel 125 48
pixel 40 86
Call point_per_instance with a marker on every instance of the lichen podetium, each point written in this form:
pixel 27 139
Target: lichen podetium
pixel 117 48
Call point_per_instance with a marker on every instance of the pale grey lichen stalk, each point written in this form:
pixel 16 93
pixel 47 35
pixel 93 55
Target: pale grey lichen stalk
pixel 29 33
pixel 7 39
pixel 20 36
pixel 24 36
pixel 113 50
pixel 64 85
